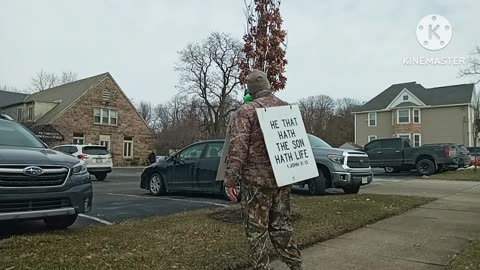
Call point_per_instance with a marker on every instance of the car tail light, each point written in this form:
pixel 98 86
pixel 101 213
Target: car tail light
pixel 447 152
pixel 83 156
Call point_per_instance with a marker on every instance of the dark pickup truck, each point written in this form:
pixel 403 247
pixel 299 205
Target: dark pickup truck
pixel 396 154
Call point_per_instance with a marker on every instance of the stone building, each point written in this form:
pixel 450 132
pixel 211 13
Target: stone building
pixel 93 110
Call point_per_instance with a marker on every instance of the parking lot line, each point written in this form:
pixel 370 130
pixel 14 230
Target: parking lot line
pixel 96 219
pixel 169 199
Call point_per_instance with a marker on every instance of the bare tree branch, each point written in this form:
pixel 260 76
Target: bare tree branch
pixel 210 72
pixel 46 80
pixel 472 67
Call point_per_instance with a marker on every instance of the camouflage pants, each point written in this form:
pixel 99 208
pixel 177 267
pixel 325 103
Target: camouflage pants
pixel 266 213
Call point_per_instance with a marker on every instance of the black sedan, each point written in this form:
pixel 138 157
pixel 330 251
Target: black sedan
pixel 192 169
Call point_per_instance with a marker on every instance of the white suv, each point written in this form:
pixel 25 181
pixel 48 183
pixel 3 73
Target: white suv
pixel 96 157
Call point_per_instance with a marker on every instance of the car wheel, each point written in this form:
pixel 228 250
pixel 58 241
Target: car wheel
pixel 60 222
pixel 316 186
pixel 101 176
pixel 156 186
pixel 426 167
pixel 392 170
pixel 351 189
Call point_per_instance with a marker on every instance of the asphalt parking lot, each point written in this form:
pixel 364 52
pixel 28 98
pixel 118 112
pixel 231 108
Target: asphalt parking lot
pixel 120 198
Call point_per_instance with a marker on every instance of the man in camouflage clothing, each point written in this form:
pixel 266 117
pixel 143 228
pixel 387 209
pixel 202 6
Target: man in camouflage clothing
pixel 265 206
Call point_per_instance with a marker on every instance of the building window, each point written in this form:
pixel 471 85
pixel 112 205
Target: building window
pixel 372 138
pixel 78 138
pixel 416 116
pixel 113 118
pixel 128 147
pixel 372 119
pixel 20 114
pixel 405 98
pixel 404 136
pixel 30 113
pixel 417 139
pixel 403 116
pixel 105 117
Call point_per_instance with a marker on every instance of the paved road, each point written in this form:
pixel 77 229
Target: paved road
pixel 119 198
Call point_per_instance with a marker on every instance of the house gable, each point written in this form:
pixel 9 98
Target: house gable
pixel 405 97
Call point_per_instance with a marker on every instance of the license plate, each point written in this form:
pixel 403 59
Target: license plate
pixel 364 180
pixel 99 160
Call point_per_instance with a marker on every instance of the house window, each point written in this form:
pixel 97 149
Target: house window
pixel 405 98
pixel 20 114
pixel 416 116
pixel 372 119
pixel 105 117
pixel 404 136
pixel 417 139
pixel 30 113
pixel 128 147
pixel 78 138
pixel 113 118
pixel 372 138
pixel 403 116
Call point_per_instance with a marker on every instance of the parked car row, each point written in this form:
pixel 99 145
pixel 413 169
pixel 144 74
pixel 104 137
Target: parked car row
pixel 194 169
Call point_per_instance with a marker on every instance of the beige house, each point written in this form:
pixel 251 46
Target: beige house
pixel 93 110
pixel 424 115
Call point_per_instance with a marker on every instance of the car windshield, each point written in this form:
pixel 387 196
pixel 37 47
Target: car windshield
pixel 14 134
pixel 317 142
pixel 95 150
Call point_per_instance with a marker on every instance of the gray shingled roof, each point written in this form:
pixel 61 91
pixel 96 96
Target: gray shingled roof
pixel 448 95
pixel 65 94
pixel 10 98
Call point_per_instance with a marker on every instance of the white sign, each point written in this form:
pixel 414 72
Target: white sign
pixel 287 143
pixel 434 32
pixel 226 147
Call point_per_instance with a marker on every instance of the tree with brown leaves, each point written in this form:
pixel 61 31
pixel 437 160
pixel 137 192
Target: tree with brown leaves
pixel 265 46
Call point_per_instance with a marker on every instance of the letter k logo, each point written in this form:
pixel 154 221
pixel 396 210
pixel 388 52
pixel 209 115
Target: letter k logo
pixel 434 32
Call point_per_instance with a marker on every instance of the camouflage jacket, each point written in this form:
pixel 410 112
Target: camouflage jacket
pixel 247 158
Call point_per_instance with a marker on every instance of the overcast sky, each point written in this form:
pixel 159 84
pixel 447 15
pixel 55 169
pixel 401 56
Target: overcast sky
pixel 340 48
